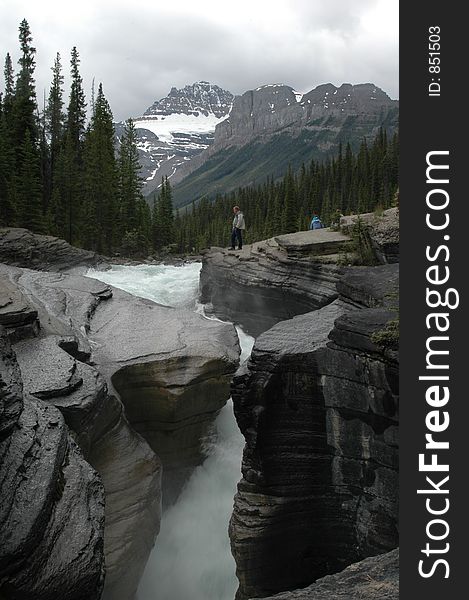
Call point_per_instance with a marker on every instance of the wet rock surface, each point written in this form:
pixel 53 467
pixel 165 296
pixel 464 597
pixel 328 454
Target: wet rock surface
pixel 172 370
pixel 375 578
pixel 318 406
pixel 52 508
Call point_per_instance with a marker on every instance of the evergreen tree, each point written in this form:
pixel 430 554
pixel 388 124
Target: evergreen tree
pixel 7 150
pixel 163 217
pixel 55 116
pixel 7 176
pixel 9 94
pixel 24 109
pixel 100 180
pixel 130 184
pixel 135 216
pixel 66 203
pixel 29 188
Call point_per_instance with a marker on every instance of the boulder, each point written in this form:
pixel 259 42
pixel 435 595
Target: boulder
pixel 375 578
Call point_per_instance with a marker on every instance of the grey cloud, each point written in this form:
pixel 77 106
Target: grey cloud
pixel 139 51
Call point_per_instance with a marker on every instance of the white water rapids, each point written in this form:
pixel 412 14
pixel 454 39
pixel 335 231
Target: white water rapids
pixel 191 559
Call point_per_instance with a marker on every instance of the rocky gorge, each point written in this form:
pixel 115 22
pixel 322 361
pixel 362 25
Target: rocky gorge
pixel 99 390
pixel 317 404
pixel 103 394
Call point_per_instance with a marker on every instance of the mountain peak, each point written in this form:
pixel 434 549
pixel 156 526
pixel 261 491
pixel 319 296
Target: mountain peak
pixel 347 97
pixel 201 97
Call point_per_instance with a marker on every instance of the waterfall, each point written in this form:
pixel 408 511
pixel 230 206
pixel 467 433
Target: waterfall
pixel 191 559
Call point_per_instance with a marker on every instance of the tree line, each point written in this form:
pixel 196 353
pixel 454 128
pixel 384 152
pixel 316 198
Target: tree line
pixel 60 173
pixel 349 183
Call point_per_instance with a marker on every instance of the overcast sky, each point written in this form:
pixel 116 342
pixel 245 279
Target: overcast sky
pixel 139 49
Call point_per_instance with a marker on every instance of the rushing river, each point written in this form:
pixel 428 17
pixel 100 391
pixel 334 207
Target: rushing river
pixel 192 558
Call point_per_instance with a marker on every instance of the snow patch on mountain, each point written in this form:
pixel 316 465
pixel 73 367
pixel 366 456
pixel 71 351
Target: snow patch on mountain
pixel 176 128
pixel 172 128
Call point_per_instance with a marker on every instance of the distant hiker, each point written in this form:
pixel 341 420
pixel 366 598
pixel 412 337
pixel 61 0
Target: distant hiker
pixel 316 222
pixel 238 226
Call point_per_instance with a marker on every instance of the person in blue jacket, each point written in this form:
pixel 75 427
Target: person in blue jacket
pixel 316 222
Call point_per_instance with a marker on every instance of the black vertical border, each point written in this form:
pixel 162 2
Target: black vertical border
pixel 426 124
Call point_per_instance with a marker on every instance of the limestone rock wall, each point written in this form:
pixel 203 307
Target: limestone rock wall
pixel 318 406
pixel 266 283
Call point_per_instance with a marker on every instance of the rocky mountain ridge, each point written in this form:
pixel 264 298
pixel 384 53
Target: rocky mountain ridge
pixel 273 126
pixel 202 130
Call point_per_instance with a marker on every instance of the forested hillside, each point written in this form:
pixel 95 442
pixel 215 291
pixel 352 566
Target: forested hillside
pixel 350 183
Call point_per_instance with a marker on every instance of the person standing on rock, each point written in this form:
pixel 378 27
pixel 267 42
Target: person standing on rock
pixel 238 226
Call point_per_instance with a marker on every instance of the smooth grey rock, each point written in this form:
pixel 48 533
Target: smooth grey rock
pixel 65 303
pixel 172 369
pixel 371 287
pixel 130 470
pixel 22 248
pixel 78 390
pixel 131 474
pixel 375 578
pixel 317 242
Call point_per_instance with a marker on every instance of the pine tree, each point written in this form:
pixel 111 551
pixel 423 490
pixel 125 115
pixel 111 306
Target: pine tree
pixel 134 212
pixel 76 114
pixel 55 116
pixel 100 180
pixel 163 217
pixel 7 176
pixel 8 98
pixel 130 184
pixel 66 212
pixel 7 150
pixel 24 109
pixel 29 188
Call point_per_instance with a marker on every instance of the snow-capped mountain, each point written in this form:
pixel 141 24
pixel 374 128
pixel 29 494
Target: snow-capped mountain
pixel 178 127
